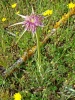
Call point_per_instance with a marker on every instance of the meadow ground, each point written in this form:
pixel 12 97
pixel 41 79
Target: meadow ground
pixel 57 55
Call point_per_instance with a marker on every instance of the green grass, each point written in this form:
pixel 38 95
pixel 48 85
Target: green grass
pixel 57 55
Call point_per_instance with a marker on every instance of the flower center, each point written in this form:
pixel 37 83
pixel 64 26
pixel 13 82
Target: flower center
pixel 32 20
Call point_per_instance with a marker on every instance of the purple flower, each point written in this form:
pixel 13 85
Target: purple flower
pixel 31 22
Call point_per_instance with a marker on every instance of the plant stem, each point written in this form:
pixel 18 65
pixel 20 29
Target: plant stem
pixel 39 56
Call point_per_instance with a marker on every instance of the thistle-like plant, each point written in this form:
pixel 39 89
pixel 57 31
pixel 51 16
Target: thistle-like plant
pixel 30 23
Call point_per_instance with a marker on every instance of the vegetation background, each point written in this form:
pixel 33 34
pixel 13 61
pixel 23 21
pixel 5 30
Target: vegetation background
pixel 57 55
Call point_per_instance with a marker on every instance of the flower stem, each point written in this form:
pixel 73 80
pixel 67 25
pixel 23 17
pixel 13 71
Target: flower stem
pixel 39 56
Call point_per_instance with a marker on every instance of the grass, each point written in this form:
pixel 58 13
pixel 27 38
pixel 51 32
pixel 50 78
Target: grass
pixel 57 55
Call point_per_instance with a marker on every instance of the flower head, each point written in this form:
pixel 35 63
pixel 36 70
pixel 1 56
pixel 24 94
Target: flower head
pixel 3 19
pixel 71 5
pixel 14 5
pixel 47 12
pixel 31 22
pixel 17 96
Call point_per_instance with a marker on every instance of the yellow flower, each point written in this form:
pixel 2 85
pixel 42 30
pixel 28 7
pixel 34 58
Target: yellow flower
pixel 71 5
pixel 47 12
pixel 17 96
pixel 14 5
pixel 3 19
pixel 17 12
